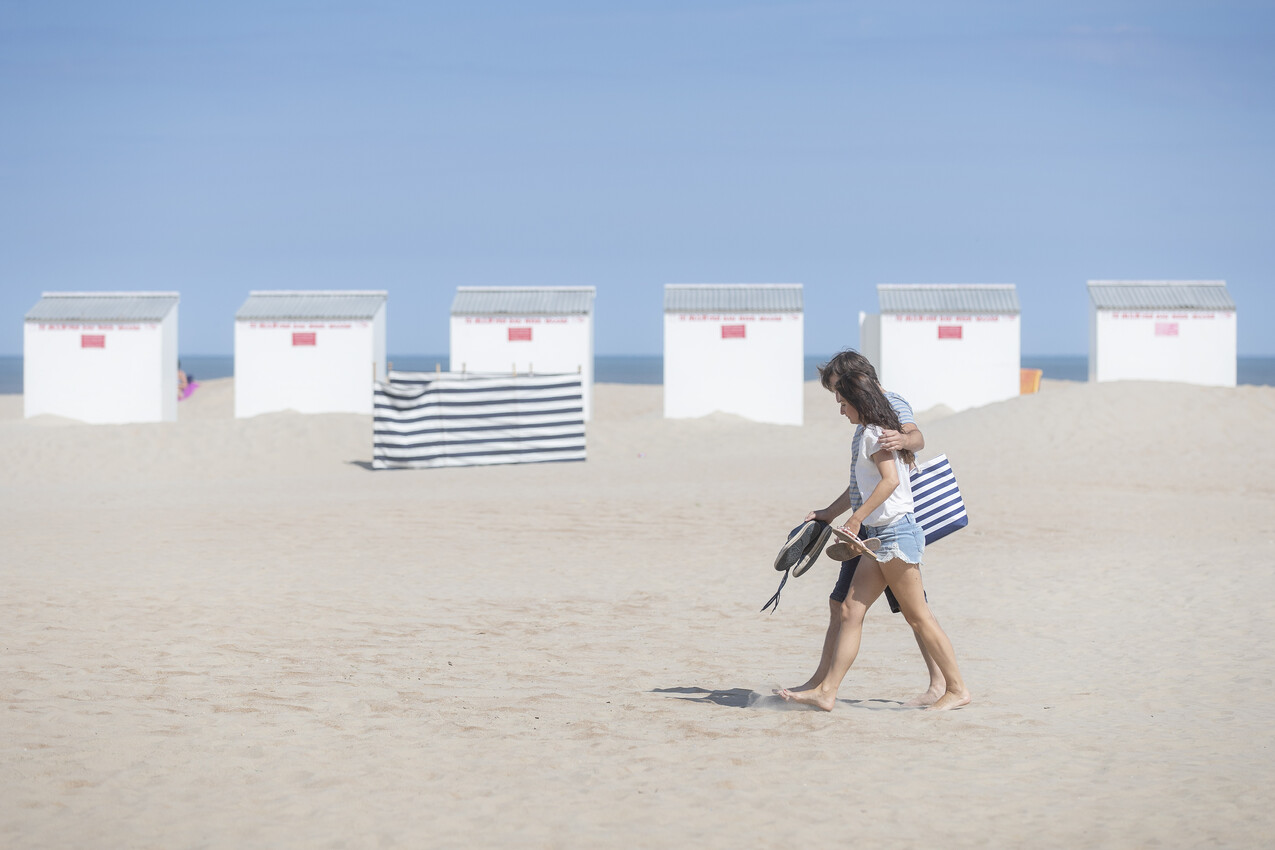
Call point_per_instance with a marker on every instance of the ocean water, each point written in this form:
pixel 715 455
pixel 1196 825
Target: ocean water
pixel 1258 371
pixel 1074 368
pixel 607 369
pixel 10 374
pixel 649 369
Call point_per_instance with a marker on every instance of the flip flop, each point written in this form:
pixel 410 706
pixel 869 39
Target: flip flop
pixel 843 552
pixel 850 546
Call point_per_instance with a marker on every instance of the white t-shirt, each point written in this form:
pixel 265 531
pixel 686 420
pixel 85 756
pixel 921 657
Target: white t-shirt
pixel 867 476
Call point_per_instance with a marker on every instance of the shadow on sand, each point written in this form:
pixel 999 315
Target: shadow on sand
pixel 748 698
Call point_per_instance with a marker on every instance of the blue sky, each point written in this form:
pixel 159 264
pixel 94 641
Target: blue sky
pixel 417 147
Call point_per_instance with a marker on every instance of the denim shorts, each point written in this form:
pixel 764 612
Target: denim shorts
pixel 903 539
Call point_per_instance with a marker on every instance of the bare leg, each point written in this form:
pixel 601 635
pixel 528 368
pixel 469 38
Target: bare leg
pixel 905 581
pixel 937 683
pixel 930 696
pixel 829 641
pixel 868 584
pixel 830 636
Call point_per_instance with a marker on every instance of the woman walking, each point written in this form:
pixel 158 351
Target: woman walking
pixel 880 497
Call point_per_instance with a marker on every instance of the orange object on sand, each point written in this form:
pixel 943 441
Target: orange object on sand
pixel 1029 380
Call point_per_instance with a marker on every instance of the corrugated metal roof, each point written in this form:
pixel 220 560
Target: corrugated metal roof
pixel 103 306
pixel 312 304
pixel 523 301
pixel 1160 295
pixel 732 298
pixel 982 298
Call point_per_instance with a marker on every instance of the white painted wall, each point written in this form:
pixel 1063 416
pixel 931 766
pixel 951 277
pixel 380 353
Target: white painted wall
pixel 961 361
pixel 132 377
pixel 334 375
pixel 540 344
pixel 1190 346
pixel 758 376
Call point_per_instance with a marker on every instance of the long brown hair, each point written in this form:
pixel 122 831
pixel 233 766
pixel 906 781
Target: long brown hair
pixel 843 363
pixel 862 393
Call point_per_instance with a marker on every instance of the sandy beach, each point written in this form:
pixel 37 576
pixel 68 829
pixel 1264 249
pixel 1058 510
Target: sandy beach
pixel 234 633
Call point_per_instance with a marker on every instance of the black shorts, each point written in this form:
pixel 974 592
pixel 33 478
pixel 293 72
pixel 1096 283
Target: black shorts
pixel 842 589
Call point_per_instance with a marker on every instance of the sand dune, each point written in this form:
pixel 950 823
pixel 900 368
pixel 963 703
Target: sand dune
pixel 232 633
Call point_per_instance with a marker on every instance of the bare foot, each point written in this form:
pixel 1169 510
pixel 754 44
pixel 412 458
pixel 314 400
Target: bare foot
pixel 930 697
pixel 804 687
pixel 951 700
pixel 817 699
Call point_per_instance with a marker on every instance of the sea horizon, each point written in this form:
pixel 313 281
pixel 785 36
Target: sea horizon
pixel 649 368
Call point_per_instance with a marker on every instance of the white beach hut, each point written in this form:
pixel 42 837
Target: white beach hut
pixel 1162 330
pixel 734 348
pixel 105 357
pixel 312 351
pixel 525 329
pixel 957 345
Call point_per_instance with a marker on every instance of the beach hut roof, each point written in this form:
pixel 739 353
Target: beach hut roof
pixel 732 298
pixel 1160 295
pixel 311 304
pixel 948 298
pixel 103 306
pixel 523 301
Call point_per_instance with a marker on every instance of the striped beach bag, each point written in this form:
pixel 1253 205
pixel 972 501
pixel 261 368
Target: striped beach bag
pixel 939 507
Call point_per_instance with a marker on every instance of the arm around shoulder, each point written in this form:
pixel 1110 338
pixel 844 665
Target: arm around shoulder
pixel 913 439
